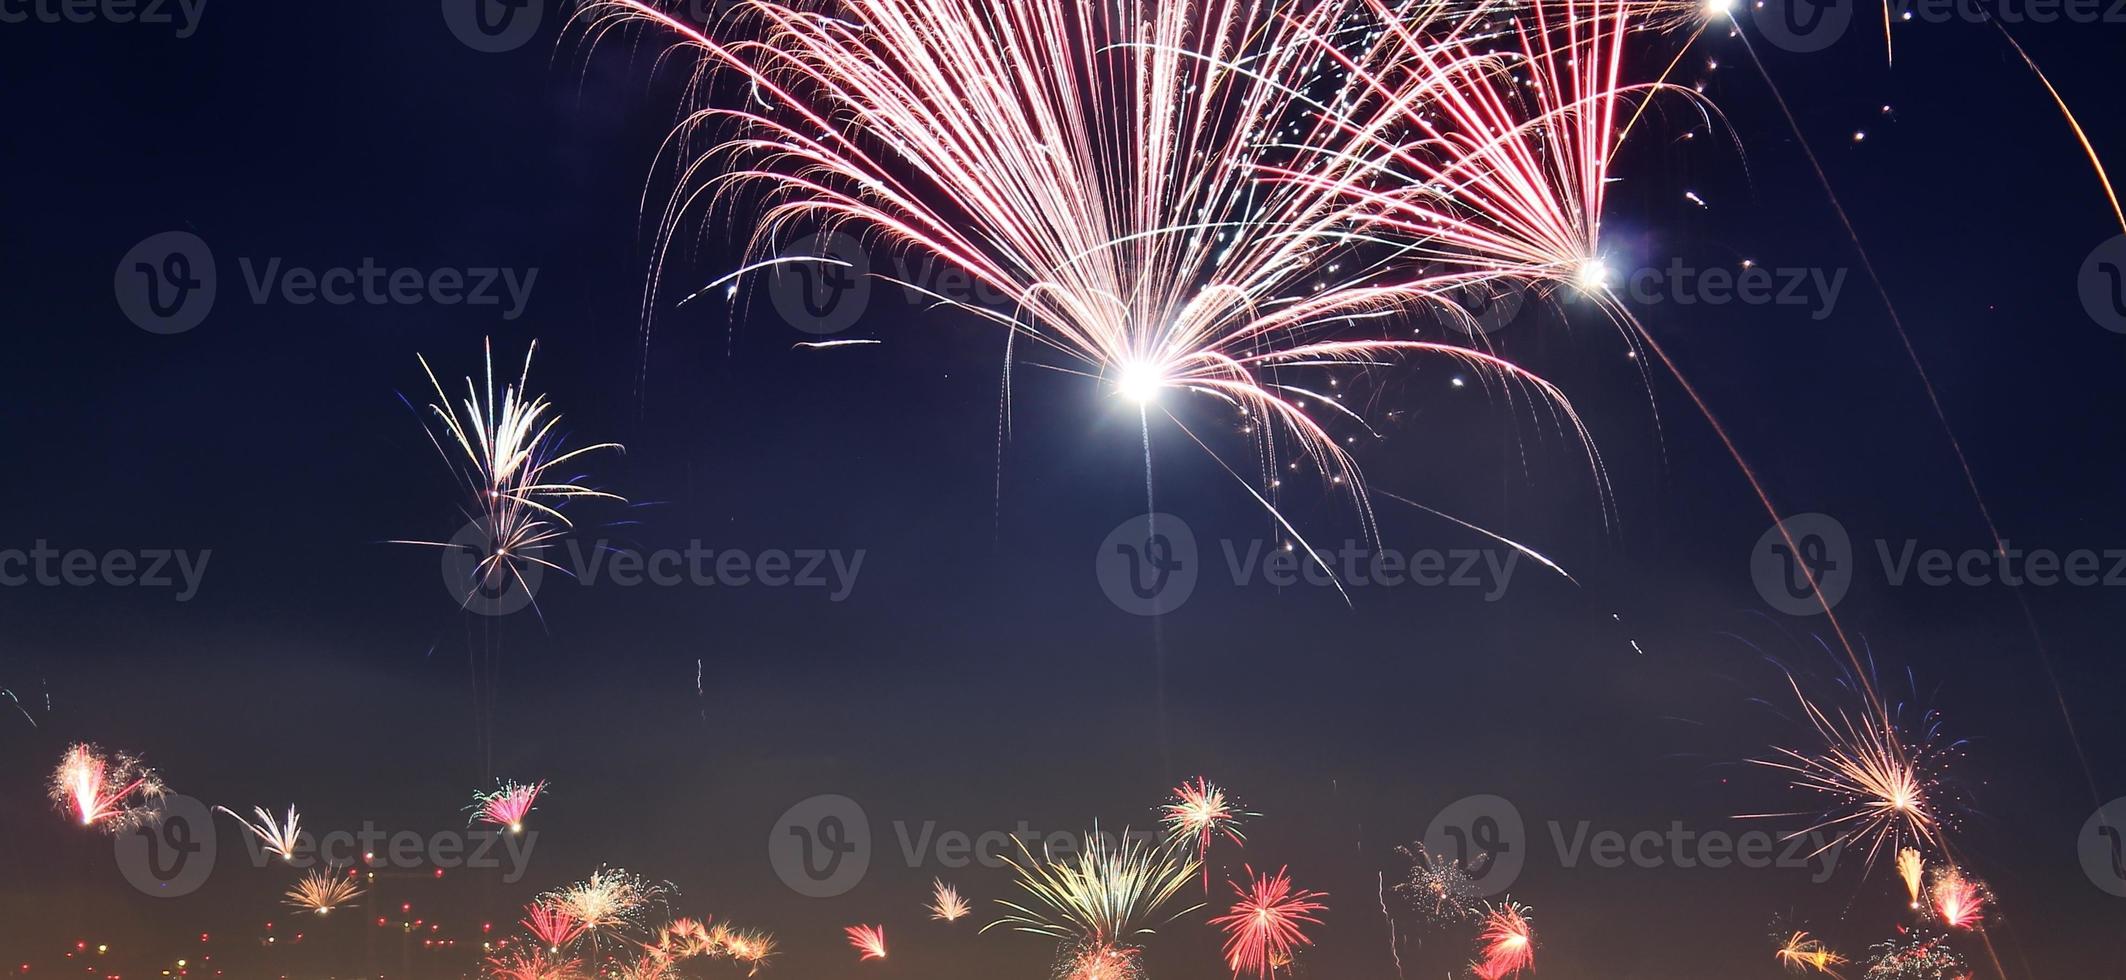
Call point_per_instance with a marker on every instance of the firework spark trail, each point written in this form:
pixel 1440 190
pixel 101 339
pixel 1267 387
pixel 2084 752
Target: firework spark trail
pixel 1505 942
pixel 113 792
pixel 508 805
pixel 869 941
pixel 1106 893
pixel 18 707
pixel 946 905
pixel 1263 928
pixel 1910 868
pixel 280 836
pixel 1143 245
pixel 323 890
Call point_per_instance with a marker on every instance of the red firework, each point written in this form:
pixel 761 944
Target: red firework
pixel 1263 927
pixel 551 925
pixel 868 940
pixel 1198 812
pixel 508 805
pixel 1505 944
pixel 1959 902
pixel 114 791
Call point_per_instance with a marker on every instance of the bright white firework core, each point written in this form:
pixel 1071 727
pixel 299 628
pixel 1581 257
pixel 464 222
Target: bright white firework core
pixel 1719 8
pixel 1593 275
pixel 1140 382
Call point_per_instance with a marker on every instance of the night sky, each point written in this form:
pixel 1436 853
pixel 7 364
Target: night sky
pixel 975 675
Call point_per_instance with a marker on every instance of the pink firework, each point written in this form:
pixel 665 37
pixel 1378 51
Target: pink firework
pixel 113 791
pixel 1264 926
pixel 552 925
pixel 1959 902
pixel 1505 942
pixel 1198 812
pixel 1143 185
pixel 870 941
pixel 508 805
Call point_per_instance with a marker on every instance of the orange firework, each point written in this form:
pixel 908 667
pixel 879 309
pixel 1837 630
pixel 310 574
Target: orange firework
pixel 946 905
pixel 324 890
pixel 1802 953
pixel 533 965
pixel 870 941
pixel 1910 867
pixel 1101 961
pixel 1263 927
pixel 1505 943
pixel 552 925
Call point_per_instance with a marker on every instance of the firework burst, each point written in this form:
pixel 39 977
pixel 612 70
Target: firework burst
pixel 611 899
pixel 1884 782
pixel 1910 868
pixel 535 964
pixel 1803 953
pixel 1959 901
pixel 281 837
pixel 323 890
pixel 1438 886
pixel 1505 942
pixel 1108 893
pixel 503 446
pixel 946 905
pixel 1100 961
pixel 750 948
pixel 1263 928
pixel 1914 957
pixel 1198 812
pixel 507 806
pixel 1125 176
pixel 869 941
pixel 110 791
pixel 552 925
